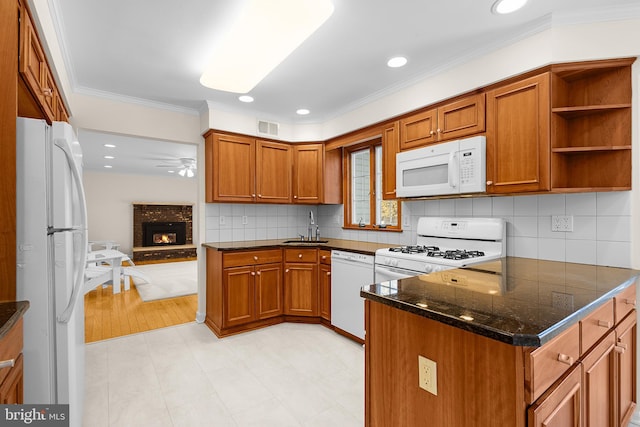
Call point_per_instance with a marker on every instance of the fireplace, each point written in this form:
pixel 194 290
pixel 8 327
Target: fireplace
pixel 164 233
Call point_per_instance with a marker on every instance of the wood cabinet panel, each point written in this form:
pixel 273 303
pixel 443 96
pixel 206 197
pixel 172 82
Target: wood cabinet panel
pixel 11 389
pixel 598 381
pixel 301 255
pixel 268 283
pixel 273 172
pixel 518 144
pixel 301 289
pixel 324 257
pixel 595 326
pixel 461 118
pixel 307 173
pixel 237 259
pixel 234 168
pixel 562 406
pixel 238 296
pixel 390 147
pixel 418 130
pixel 626 348
pixel 544 365
pixel 625 302
pixel 32 59
pixel 324 285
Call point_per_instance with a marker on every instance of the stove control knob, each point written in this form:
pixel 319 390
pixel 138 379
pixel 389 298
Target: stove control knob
pixel 394 262
pixel 428 268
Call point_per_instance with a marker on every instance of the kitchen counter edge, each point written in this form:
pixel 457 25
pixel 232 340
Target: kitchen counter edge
pixel 10 313
pixel 366 248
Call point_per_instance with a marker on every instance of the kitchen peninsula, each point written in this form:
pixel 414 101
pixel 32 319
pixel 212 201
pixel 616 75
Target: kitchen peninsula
pixel 514 342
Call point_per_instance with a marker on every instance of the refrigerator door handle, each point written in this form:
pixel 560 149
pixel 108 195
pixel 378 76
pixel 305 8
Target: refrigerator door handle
pixel 79 266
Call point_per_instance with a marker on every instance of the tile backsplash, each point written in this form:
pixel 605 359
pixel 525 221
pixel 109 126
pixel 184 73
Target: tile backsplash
pixel 601 224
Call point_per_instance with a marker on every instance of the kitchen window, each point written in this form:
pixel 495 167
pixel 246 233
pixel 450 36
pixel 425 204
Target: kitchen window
pixel 364 206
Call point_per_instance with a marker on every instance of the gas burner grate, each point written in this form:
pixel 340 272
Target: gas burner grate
pixel 417 249
pixel 456 254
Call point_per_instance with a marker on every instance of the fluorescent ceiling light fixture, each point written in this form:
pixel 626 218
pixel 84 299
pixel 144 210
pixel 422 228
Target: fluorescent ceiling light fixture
pixel 502 7
pixel 263 35
pixel 396 62
pixel 109 145
pixel 245 98
pixel 302 111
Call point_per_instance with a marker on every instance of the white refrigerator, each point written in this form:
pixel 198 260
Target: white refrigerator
pixel 51 255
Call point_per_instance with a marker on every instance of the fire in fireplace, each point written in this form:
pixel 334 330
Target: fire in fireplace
pixel 164 233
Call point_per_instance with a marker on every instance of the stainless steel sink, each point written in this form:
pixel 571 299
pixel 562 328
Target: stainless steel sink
pixel 305 242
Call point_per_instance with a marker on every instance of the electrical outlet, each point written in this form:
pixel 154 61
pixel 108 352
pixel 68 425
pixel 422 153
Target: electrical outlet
pixel 406 222
pixel 245 220
pixel 222 220
pixel 428 375
pixel 562 301
pixel 562 223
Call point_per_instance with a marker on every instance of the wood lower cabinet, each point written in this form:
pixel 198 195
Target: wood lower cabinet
pixel 11 377
pixel 518 143
pixel 561 406
pixel 599 383
pixel 626 351
pixel 301 289
pixel 268 287
pixel 324 284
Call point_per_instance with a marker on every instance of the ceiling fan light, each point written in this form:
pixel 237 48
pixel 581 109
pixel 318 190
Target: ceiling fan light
pixel 190 173
pixel 182 172
pixel 263 35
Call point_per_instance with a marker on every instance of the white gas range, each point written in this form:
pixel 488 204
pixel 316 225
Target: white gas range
pixel 443 244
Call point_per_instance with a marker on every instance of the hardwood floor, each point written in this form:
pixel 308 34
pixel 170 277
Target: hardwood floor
pixel 109 316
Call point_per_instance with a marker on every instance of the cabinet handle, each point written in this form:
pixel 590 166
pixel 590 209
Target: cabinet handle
pixel 622 345
pixel 258 273
pixel 489 182
pixel 8 363
pixel 299 255
pixel 630 301
pixel 604 324
pixel 328 273
pixel 47 91
pixel 255 257
pixel 565 359
pixel 620 348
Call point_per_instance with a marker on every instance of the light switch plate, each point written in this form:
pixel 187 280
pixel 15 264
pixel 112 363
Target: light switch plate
pixel 428 375
pixel 562 223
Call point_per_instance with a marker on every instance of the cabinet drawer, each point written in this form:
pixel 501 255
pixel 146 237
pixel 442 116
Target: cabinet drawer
pixel 300 255
pixel 544 365
pixel 10 347
pixel 625 302
pixel 324 257
pixel 595 326
pixel 237 259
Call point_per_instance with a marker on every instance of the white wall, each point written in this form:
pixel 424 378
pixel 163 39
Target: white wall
pixel 110 199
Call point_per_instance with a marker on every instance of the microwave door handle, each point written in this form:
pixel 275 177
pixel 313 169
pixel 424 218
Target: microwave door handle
pixel 453 170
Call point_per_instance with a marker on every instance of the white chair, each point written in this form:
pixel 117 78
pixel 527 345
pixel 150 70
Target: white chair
pixel 95 276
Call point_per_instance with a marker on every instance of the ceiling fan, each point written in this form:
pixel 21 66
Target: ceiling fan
pixel 186 166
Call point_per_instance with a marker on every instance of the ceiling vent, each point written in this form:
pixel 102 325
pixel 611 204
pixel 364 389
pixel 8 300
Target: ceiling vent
pixel 268 128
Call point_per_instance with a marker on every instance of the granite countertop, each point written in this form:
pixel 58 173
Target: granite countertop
pixel 10 313
pixel 367 248
pixel 519 301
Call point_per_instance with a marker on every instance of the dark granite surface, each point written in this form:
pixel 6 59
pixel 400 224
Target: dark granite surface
pixel 367 248
pixel 519 301
pixel 10 313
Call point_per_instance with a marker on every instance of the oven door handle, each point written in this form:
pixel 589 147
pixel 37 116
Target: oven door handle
pixel 393 274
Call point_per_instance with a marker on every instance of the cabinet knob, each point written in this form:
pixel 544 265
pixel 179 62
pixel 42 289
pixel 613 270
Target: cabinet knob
pixel 604 324
pixel 253 273
pixel 260 195
pixel 324 257
pixel 438 130
pixel 255 257
pixel 489 182
pixel 328 273
pixel 295 197
pixel 7 363
pixel 432 133
pixel 258 273
pixel 47 91
pixel 299 255
pixel 287 270
pixel 253 195
pixel 565 359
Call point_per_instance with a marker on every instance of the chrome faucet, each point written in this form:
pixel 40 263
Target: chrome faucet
pixel 309 227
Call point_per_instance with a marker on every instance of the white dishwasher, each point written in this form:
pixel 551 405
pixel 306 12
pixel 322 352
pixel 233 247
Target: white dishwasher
pixel 350 271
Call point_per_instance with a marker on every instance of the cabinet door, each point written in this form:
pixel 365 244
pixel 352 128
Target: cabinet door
pixel 238 292
pixel 32 60
pixel 461 118
pixel 626 334
pixel 390 147
pixel 11 389
pixel 49 94
pixel 234 168
pixel 273 172
pixel 307 173
pixel 418 130
pixel 599 383
pixel 60 110
pixel 268 290
pixel 301 289
pixel 518 147
pixel 560 406
pixel 324 283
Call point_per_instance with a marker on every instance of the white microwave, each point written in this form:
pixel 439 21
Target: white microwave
pixel 455 167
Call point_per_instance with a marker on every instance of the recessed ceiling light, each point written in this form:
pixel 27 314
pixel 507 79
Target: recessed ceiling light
pixel 396 62
pixel 302 111
pixel 109 145
pixel 109 157
pixel 245 98
pixel 252 47
pixel 502 7
pixel 108 166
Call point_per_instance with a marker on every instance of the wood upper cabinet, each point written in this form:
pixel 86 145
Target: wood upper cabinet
pixel 518 145
pixel 390 147
pixel 456 119
pixel 230 168
pixel 273 172
pixel 562 405
pixel 307 173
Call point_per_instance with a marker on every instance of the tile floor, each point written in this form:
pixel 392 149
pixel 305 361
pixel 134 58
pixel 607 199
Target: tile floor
pixel 284 375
